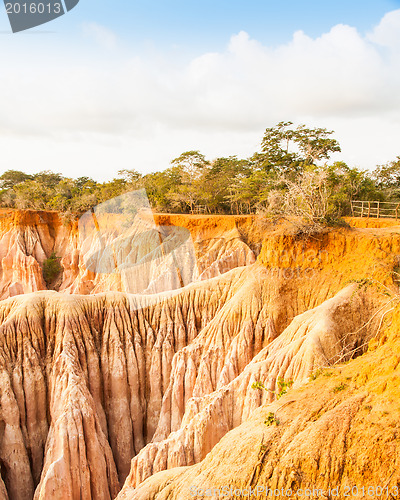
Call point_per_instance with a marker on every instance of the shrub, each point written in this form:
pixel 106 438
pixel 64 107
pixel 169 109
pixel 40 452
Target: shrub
pixel 51 268
pixel 315 375
pixel 339 388
pixel 271 419
pixel 283 386
pixel 258 385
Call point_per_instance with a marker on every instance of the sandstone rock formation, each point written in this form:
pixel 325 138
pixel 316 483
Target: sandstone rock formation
pixel 26 240
pixel 336 437
pixel 103 391
pixel 82 382
pixel 86 382
pixel 148 257
pixel 317 338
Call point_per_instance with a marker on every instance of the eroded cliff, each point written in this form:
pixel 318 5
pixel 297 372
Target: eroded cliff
pixel 150 256
pixel 336 437
pixel 99 392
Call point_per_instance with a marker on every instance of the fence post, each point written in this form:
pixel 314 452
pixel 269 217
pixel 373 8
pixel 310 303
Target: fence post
pixel 362 209
pixel 352 208
pixel 377 211
pixel 369 209
pixel 397 209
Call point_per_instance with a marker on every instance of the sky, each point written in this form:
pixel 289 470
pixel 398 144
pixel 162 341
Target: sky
pixel 131 85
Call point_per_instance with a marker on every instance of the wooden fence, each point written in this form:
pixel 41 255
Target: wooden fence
pixel 376 209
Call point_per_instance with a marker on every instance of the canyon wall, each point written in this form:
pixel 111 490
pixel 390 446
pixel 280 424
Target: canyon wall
pixel 106 393
pixel 149 256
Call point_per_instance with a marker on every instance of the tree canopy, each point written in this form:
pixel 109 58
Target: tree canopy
pixel 290 158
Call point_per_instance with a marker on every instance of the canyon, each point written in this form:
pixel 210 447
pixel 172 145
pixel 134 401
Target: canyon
pixel 151 365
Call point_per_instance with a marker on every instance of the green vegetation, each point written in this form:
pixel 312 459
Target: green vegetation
pixel 317 373
pixel 51 268
pixel 289 175
pixel 283 387
pixel 259 385
pixel 339 388
pixel 271 419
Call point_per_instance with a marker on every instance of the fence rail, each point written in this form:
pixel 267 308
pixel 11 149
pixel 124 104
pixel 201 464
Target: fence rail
pixel 375 209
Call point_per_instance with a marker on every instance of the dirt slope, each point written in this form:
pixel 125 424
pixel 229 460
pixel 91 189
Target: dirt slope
pixel 337 436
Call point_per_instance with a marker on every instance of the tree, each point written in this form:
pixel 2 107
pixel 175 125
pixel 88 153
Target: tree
pixel 387 178
pixel 63 193
pixel 244 191
pixel 48 178
pixel 131 177
pixel 276 150
pixel 11 178
pixel 160 186
pixel 185 196
pixel 191 165
pixel 85 183
pixel 219 181
pixel 308 197
pixel 288 150
pixel 51 269
pixel 111 189
pixel 32 194
pixel 346 184
pixel 315 144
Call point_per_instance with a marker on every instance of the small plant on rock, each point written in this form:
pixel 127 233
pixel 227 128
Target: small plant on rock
pixel 283 386
pixel 271 419
pixel 259 385
pixel 315 375
pixel 339 388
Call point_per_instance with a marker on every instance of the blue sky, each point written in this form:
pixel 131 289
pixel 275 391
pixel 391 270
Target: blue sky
pixel 209 23
pixel 115 84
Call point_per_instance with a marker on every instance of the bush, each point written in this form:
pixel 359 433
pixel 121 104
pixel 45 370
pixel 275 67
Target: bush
pixel 51 268
pixel 307 201
pixel 271 419
pixel 283 386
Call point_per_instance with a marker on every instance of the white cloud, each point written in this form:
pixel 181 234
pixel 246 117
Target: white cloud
pixel 118 111
pixel 387 32
pixel 100 34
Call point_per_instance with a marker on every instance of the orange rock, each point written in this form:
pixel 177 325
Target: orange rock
pixel 111 390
